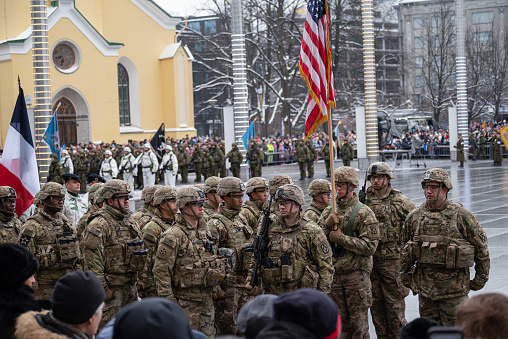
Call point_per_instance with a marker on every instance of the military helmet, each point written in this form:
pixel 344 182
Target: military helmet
pixel 164 193
pixel 230 185
pixel 277 181
pixel 379 168
pixel 188 194
pixel 114 187
pixel 346 174
pixel 53 155
pixel 211 184
pixel 150 192
pixel 108 152
pixel 318 186
pixel 200 186
pixel 93 191
pixel 290 192
pixel 234 145
pixel 97 199
pixel 256 182
pixel 143 192
pixel 437 175
pixel 127 149
pixel 37 198
pixel 51 189
pixel 7 191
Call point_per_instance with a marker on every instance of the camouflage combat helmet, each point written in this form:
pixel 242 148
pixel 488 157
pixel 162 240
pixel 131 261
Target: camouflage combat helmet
pixel 318 186
pixel 37 198
pixel 256 182
pixel 7 191
pixel 164 193
pixel 188 194
pixel 51 189
pixel 200 186
pixel 150 192
pixel 93 191
pixel 234 145
pixel 143 192
pixel 230 185
pixel 97 199
pixel 290 192
pixel 114 187
pixel 437 175
pixel 211 184
pixel 379 168
pixel 346 174
pixel 279 180
pixel 53 155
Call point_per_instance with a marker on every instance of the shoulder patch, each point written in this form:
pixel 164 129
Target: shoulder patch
pixel 25 239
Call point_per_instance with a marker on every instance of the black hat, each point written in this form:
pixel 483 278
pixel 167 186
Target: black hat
pixel 76 297
pixel 17 264
pixel 70 176
pixel 95 177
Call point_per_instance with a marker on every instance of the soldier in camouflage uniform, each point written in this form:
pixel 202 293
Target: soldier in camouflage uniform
pixel 10 226
pixel 197 159
pixel 212 198
pixel 321 192
pixel 391 208
pixel 146 204
pixel 442 241
pixel 312 157
pixel 222 165
pixel 145 214
pixel 165 211
pixel 256 158
pixel 81 169
pixel 183 158
pixel 325 151
pixel 273 185
pixel 50 236
pixel 218 159
pixel 55 171
pixel 94 162
pixel 298 250
pixel 94 203
pixel 496 148
pixel 235 158
pixel 302 156
pixel 347 153
pixel 482 142
pixel 230 229
pixel 186 265
pixel 206 164
pixel 113 248
pixel 351 288
pixel 257 190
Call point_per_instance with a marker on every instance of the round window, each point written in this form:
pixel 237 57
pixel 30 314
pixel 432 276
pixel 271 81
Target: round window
pixel 63 56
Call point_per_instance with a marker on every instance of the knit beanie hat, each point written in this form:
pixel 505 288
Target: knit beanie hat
pixel 254 312
pixel 17 264
pixel 76 297
pixel 311 309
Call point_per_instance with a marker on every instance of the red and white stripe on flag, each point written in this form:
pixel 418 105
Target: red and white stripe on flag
pixel 315 65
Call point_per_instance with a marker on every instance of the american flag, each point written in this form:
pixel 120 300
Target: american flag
pixel 316 66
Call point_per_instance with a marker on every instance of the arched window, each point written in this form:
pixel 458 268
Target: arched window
pixel 123 96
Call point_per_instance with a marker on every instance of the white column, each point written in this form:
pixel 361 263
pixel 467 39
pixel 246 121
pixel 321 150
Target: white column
pixel 452 118
pixel 462 114
pixel 361 138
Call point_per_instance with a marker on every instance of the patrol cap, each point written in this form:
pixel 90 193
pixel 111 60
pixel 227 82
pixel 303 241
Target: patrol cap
pixel 379 168
pixel 254 183
pixel 346 174
pixel 318 186
pixel 95 177
pixel 164 193
pixel 187 195
pixel 277 181
pixel 211 184
pixel 92 192
pixel 114 187
pixel 437 175
pixel 51 189
pixel 290 192
pixel 230 185
pixel 70 176
pixel 7 191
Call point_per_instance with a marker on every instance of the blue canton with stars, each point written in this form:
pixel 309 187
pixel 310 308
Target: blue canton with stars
pixel 317 9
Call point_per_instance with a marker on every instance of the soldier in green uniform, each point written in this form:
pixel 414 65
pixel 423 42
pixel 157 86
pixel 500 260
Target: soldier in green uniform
pixel 474 145
pixel 299 255
pixel 10 226
pixel 347 153
pixel 273 185
pixel 312 157
pixel 252 210
pixel 442 241
pixel 496 147
pixel 81 169
pixel 482 142
pixel 212 198
pixel 302 155
pixel 222 165
pixel 94 203
pixel 183 158
pixel 186 264
pixel 256 157
pixel 50 236
pixel 197 159
pixel 218 158
pixel 94 162
pixel 230 229
pixel 321 192
pixel 460 150
pixel 55 171
pixel 391 208
pixel 113 248
pixel 354 240
pixel 206 164
pixel 165 211
pixel 145 214
pixel 325 151
pixel 235 158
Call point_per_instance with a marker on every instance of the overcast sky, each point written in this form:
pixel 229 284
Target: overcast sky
pixel 182 8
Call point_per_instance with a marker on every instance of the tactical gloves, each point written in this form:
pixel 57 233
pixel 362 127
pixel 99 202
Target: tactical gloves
pixel 332 221
pixel 335 235
pixel 252 291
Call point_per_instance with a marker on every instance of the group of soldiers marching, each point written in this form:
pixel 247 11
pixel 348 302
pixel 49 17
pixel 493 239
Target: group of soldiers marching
pixel 192 246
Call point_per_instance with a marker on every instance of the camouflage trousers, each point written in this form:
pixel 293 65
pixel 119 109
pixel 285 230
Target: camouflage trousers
pixel 235 170
pixel 184 172
pixel 303 169
pixel 310 168
pixel 346 162
pixel 327 165
pixel 352 293
pixel 255 171
pixel 201 314
pixel 223 171
pixel 46 280
pixel 122 295
pixel 197 169
pixel 442 311
pixel 388 293
pixel 226 310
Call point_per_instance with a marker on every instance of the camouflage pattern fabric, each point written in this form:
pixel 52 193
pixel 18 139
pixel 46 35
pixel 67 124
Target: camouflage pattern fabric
pixel 442 311
pixel 141 212
pixel 122 295
pixel 183 158
pixel 208 212
pixel 146 216
pixel 312 156
pixel 496 144
pixel 10 226
pixel 347 153
pixel 302 156
pixel 256 157
pixel 197 159
pixel 201 314
pixel 252 211
pixel 482 142
pixel 235 158
pixel 55 172
pixel 83 222
pixel 325 151
pixel 314 211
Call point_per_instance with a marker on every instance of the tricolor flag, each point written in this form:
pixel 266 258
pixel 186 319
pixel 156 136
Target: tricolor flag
pixel 51 136
pixel 316 65
pixel 18 168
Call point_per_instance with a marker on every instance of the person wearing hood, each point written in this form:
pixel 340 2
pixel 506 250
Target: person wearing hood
pixel 109 167
pixel 169 167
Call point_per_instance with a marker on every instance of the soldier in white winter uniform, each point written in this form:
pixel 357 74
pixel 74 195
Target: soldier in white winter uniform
pixel 149 164
pixel 109 168
pixel 128 167
pixel 75 203
pixel 67 165
pixel 169 167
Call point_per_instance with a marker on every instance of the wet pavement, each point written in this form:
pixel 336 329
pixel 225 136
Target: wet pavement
pixel 479 187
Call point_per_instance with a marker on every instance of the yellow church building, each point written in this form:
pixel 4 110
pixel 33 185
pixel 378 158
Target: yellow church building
pixel 116 68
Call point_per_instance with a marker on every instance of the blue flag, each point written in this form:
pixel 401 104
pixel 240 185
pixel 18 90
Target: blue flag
pixel 249 134
pixel 51 136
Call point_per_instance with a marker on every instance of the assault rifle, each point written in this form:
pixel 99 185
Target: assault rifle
pixel 362 195
pixel 260 245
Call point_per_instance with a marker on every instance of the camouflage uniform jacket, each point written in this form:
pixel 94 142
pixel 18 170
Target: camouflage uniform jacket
pixel 94 164
pixel 302 153
pixel 81 165
pixel 218 157
pixel 362 244
pixel 83 222
pixel 310 257
pixel 183 265
pixel 40 234
pixel 183 157
pixel 230 229
pixel 206 162
pixel 107 253
pixel 208 212
pixel 235 156
pixel 146 217
pixel 142 211
pixel 10 226
pixel 55 172
pixel 311 151
pixel 197 156
pixel 347 152
pixel 314 211
pixel 391 211
pixel 432 239
pixel 252 211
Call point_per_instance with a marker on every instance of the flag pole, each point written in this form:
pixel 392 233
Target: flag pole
pixel 56 111
pixel 332 167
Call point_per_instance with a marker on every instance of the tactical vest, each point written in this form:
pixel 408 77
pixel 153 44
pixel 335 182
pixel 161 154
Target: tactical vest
pixel 95 165
pixel 437 240
pixel 301 154
pixel 235 157
pixel 81 165
pixel 8 230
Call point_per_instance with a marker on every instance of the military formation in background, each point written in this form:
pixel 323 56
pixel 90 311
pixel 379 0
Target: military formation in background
pixel 206 249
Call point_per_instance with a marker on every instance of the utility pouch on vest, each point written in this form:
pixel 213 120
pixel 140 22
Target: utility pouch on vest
pixel 138 260
pixel 286 268
pixel 190 273
pixel 310 277
pixel 47 256
pixel 229 255
pixel 130 248
pixel 216 271
pixel 451 253
pixel 465 256
pixel 433 253
pixel 383 233
pixel 67 245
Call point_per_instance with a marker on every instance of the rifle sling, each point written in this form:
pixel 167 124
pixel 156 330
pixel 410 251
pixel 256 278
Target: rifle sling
pixel 352 217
